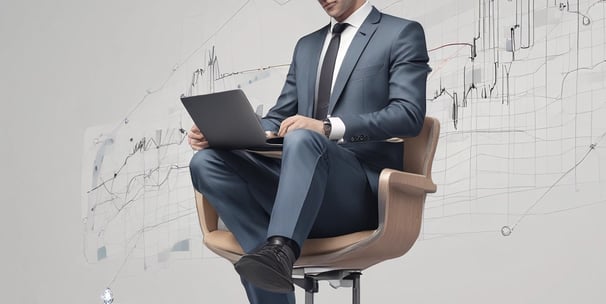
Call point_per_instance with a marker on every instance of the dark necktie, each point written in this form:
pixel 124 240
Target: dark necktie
pixel 326 73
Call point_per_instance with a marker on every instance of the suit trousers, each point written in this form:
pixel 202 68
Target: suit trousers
pixel 317 189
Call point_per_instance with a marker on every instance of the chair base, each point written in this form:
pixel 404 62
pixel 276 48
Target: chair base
pixel 308 281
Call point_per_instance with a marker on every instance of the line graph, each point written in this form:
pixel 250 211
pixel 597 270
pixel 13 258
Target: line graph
pixel 528 132
pixel 123 191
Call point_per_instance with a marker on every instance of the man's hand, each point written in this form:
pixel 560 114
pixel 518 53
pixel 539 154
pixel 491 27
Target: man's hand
pixel 301 122
pixel 271 134
pixel 196 139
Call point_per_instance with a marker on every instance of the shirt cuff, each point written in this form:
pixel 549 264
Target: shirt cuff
pixel 337 128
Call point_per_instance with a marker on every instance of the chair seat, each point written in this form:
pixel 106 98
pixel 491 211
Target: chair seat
pixel 225 243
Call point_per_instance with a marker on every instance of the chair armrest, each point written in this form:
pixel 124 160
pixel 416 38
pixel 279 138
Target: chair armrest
pixel 401 201
pixel 406 181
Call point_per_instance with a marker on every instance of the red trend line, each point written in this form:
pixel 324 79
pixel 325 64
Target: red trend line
pixel 451 44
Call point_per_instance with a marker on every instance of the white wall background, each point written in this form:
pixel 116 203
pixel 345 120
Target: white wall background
pixel 66 66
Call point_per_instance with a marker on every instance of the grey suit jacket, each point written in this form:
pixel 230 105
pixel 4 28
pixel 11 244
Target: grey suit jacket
pixel 379 92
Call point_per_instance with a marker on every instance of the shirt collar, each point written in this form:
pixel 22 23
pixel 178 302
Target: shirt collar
pixel 357 18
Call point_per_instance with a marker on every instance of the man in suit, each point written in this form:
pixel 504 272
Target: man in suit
pixel 351 86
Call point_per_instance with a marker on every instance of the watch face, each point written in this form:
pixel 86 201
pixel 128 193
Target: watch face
pixel 327 128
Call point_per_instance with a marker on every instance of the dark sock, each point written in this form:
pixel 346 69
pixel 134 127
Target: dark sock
pixel 286 241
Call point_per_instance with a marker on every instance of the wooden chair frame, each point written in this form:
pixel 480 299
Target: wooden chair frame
pixel 401 201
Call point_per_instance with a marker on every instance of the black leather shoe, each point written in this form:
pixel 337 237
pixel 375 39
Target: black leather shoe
pixel 270 266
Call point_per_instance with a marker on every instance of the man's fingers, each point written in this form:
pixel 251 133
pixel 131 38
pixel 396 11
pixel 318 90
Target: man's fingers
pixel 194 129
pixel 199 145
pixel 271 134
pixel 284 126
pixel 198 136
pixel 196 139
pixel 289 124
pixel 300 122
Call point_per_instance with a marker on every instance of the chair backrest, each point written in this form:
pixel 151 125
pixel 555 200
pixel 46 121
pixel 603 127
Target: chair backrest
pixel 419 150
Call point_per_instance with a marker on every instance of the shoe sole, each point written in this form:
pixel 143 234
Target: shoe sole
pixel 263 277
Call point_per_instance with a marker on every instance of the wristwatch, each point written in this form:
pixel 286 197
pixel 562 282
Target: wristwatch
pixel 327 128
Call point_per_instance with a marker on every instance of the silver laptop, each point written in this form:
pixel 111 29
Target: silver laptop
pixel 228 121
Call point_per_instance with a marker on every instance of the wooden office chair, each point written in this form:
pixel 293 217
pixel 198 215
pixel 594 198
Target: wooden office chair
pixel 341 259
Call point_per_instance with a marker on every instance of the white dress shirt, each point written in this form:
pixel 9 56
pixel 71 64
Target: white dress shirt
pixel 355 21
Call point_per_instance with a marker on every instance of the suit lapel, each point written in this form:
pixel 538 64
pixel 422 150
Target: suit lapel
pixel 314 61
pixel 358 44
